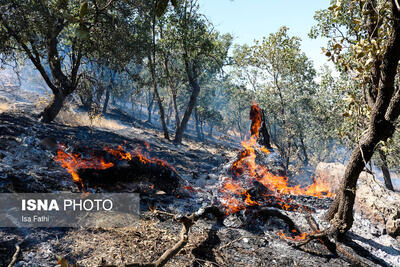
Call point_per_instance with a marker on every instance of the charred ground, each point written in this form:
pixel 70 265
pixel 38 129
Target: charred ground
pixel 242 239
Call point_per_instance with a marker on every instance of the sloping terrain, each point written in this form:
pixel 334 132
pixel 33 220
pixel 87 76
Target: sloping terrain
pixel 27 165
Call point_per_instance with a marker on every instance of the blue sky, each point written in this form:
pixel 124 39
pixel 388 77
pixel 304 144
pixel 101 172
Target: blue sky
pixel 252 19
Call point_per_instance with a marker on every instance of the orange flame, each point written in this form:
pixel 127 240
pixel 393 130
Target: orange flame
pixel 297 236
pixel 246 164
pixel 72 162
pixel 119 153
pixel 255 117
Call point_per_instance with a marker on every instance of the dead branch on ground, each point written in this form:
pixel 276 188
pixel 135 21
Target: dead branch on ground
pixel 324 237
pixel 187 222
pixel 15 256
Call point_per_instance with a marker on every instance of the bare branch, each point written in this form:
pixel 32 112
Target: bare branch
pixel 15 256
pixel 32 55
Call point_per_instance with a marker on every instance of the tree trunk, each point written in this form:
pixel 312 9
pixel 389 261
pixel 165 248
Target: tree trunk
pixel 341 211
pixel 150 111
pixel 240 129
pixel 152 66
pixel 194 84
pixel 385 171
pixel 196 119
pixel 133 107
pixel 171 85
pixel 63 85
pixel 264 137
pixel 161 110
pixel 86 102
pixel 303 149
pixel 201 131
pixel 385 112
pixel 106 100
pixel 169 112
pixel 210 132
pixel 177 119
pixel 109 88
pixel 52 110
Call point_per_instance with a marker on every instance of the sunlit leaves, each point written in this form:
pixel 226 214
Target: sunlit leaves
pixel 362 29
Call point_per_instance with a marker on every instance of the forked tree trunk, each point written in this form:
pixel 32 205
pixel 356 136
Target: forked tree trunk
pixel 62 85
pixel 194 84
pixel 385 112
pixel 52 110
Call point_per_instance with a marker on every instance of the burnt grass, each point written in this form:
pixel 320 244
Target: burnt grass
pixel 28 166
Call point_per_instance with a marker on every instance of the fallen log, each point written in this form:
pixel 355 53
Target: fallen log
pixel 156 172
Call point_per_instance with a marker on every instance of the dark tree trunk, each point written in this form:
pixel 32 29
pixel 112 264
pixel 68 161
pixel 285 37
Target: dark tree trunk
pixel 194 84
pixel 341 211
pixel 303 149
pixel 264 137
pixel 171 85
pixel 133 106
pixel 385 112
pixel 86 102
pixel 150 110
pixel 161 111
pixel 109 88
pixel 113 100
pixel 177 119
pixel 385 171
pixel 196 119
pixel 52 110
pixel 106 100
pixel 62 85
pixel 240 129
pixel 201 131
pixel 152 66
pixel 169 113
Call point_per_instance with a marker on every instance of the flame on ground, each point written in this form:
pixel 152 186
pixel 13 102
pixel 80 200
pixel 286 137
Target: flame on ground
pixel 72 162
pixel 296 236
pixel 236 197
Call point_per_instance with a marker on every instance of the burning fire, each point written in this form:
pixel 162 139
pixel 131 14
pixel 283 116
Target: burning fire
pixel 296 235
pixel 236 197
pixel 72 162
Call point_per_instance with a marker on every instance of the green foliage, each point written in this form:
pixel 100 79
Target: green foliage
pixel 282 80
pixel 358 33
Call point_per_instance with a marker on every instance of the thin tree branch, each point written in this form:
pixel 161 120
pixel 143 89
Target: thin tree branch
pixel 15 256
pixel 33 56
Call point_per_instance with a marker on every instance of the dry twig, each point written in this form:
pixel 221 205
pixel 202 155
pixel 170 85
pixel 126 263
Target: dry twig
pixel 15 256
pixel 187 222
pixel 231 242
pixel 336 248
